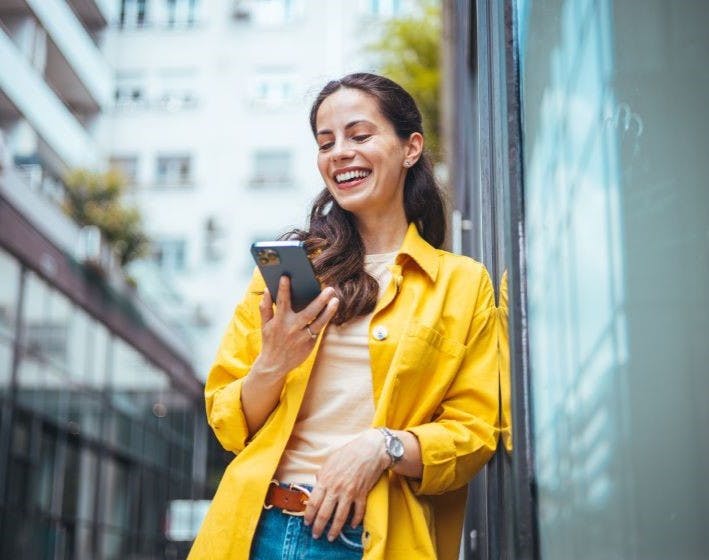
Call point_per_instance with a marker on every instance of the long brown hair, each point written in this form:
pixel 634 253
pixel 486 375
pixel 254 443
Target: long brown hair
pixel 332 238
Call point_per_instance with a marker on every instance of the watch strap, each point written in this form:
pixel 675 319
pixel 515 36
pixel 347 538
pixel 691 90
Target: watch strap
pixel 388 438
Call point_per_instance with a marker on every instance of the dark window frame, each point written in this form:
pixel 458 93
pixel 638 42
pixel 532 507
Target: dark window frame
pixel 486 137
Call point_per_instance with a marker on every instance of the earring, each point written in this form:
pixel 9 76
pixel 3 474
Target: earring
pixel 407 163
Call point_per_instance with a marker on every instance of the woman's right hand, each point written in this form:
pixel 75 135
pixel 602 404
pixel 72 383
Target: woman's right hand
pixel 285 344
pixel 285 340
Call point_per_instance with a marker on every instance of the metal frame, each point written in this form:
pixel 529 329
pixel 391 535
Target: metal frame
pixel 525 536
pixel 40 255
pixel 486 144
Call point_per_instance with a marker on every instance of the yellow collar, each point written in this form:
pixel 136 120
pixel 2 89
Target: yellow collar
pixel 420 251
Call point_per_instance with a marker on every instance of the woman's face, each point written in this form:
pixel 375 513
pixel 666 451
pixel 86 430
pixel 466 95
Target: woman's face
pixel 360 157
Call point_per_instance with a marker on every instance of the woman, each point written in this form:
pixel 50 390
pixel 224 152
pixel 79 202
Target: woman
pixel 374 406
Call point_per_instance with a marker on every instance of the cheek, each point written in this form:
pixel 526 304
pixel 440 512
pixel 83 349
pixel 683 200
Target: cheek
pixel 322 167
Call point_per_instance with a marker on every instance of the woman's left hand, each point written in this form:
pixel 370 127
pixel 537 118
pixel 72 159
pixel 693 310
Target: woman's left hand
pixel 344 481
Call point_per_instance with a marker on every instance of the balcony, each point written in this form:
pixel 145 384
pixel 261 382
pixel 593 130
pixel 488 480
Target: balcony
pixel 94 14
pixel 26 93
pixel 74 65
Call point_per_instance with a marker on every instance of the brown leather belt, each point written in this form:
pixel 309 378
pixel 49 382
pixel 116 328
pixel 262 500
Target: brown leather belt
pixel 291 500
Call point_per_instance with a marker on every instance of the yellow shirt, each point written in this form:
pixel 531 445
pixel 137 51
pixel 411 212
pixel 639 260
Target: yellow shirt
pixel 433 351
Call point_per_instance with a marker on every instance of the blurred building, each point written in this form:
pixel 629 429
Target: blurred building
pixel 210 124
pixel 101 413
pixel 578 136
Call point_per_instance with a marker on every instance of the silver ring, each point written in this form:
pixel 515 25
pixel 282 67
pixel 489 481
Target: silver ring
pixel 311 333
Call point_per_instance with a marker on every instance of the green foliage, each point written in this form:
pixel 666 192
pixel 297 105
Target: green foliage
pixel 96 199
pixel 409 53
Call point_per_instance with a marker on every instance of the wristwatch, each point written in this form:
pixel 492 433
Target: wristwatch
pixel 393 445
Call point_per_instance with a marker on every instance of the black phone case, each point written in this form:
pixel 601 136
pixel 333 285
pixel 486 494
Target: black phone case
pixel 295 264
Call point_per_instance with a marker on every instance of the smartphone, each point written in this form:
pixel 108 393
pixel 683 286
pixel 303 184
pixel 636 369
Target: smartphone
pixel 278 258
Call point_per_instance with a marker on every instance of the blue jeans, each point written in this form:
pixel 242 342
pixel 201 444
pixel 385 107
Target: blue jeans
pixel 280 536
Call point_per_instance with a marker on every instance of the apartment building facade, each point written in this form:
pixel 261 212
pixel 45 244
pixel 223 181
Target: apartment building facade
pixel 101 414
pixel 211 126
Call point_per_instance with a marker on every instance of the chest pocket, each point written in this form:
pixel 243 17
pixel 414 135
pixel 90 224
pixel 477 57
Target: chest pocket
pixel 424 351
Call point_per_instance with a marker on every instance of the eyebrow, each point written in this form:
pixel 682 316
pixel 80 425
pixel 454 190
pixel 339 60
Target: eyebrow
pixel 348 125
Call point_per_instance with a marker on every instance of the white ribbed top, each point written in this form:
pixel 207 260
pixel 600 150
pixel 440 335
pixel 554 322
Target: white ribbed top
pixel 338 403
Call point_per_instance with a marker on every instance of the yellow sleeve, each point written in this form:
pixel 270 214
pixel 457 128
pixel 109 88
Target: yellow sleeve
pixel 463 434
pixel 238 351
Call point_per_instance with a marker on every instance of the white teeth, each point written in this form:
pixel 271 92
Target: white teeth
pixel 341 177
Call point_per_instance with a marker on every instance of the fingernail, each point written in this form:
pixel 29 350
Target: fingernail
pixel 316 537
pixel 330 538
pixel 306 522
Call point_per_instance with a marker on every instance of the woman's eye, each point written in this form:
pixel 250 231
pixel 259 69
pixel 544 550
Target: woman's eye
pixel 361 137
pixel 325 146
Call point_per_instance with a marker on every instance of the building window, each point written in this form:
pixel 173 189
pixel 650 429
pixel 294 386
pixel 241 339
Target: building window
pixel 127 166
pixel 382 8
pixel 130 90
pixel 270 12
pixel 214 239
pixel 170 254
pixel 133 13
pixel 273 90
pixel 172 101
pixel 173 170
pixel 180 13
pixel 272 168
pixel 176 89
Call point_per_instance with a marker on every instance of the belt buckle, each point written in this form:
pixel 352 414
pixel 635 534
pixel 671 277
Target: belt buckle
pixel 273 482
pixel 305 491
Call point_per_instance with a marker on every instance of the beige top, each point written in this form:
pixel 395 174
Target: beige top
pixel 338 403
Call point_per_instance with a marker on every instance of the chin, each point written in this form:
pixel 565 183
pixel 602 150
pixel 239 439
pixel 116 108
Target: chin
pixel 351 202
pixel 353 207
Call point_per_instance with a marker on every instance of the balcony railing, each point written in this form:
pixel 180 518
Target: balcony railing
pixel 76 46
pixel 40 106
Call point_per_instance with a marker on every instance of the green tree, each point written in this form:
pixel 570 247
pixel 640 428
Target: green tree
pixel 97 199
pixel 408 52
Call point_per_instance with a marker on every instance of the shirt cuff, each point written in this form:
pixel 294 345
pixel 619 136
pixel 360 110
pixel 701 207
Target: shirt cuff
pixel 227 417
pixel 438 458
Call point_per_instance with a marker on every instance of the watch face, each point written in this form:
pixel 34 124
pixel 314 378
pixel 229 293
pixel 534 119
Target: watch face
pixel 396 448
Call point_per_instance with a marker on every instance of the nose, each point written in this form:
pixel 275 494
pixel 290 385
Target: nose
pixel 340 151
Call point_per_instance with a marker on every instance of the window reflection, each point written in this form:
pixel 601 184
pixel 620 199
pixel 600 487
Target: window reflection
pixel 616 217
pixel 90 415
pixel 9 292
pixel 116 508
pixel 503 338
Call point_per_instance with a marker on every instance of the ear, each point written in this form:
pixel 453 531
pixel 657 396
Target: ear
pixel 414 147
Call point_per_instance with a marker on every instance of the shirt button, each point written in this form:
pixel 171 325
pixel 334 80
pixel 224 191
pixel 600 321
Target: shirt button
pixel 366 540
pixel 380 332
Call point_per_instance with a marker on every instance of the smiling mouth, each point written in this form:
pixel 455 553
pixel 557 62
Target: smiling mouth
pixel 351 176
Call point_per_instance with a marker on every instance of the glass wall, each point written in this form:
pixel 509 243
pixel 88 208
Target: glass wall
pixel 617 223
pixel 97 440
pixel 9 298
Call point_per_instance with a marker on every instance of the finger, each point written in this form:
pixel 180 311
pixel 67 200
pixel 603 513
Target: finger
pixel 316 306
pixel 324 318
pixel 324 514
pixel 266 307
pixel 314 501
pixel 283 297
pixel 341 513
pixel 360 506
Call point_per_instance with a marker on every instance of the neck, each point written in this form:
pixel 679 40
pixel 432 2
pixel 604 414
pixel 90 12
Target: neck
pixel 382 234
